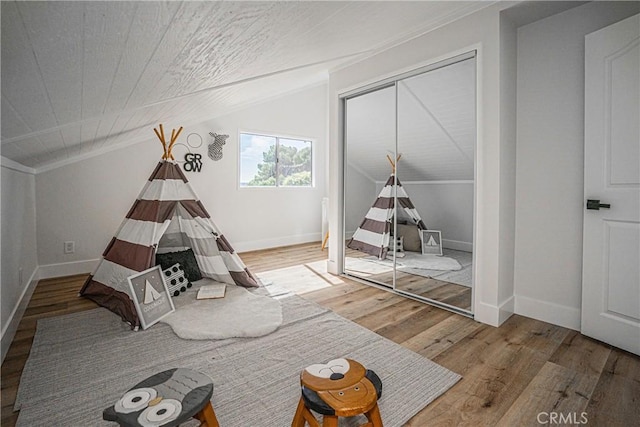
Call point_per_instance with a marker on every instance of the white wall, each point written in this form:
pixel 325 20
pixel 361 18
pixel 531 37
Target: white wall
pixel 361 192
pixel 258 218
pixel 480 31
pixel 549 177
pixel 19 258
pixel 448 207
pixel 86 201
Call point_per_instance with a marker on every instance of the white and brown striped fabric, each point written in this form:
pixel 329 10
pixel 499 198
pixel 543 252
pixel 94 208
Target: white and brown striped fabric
pixel 374 233
pixel 166 217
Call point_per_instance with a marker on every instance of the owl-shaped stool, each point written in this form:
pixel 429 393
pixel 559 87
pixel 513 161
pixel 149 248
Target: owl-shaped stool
pixel 339 388
pixel 166 399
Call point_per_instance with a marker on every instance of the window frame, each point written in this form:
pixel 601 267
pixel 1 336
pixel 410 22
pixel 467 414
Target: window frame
pixel 277 138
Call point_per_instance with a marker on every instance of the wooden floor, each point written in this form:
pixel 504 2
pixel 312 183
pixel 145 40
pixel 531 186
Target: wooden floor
pixel 525 373
pixel 438 290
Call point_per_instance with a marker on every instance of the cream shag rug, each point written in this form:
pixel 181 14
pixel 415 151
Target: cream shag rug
pixel 240 314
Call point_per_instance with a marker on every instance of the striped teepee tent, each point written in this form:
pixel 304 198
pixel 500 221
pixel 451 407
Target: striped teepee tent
pixel 166 217
pixel 374 233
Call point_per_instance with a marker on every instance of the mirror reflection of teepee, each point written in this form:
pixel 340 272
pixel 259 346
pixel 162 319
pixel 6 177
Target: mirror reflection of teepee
pixel 374 233
pixel 432 241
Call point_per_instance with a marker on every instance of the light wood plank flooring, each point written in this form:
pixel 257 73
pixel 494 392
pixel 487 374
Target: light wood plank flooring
pixel 521 374
pixel 438 290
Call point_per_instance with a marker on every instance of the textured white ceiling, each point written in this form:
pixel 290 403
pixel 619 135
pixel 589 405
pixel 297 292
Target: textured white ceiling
pixel 435 124
pixel 84 76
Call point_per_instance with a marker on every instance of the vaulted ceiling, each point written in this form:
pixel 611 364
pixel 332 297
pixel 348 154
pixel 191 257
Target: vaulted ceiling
pixel 428 119
pixel 84 77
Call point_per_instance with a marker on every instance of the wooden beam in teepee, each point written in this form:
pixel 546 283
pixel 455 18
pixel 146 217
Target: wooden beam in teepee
pixel 393 164
pixel 167 147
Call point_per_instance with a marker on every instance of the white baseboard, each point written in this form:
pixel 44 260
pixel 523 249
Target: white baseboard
pixel 493 315
pixel 256 245
pixel 332 267
pixel 561 315
pixel 9 331
pixel 506 309
pixel 67 269
pixel 87 266
pixel 446 243
pixel 457 245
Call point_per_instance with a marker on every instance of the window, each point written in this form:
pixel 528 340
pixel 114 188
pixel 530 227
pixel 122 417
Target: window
pixel 273 161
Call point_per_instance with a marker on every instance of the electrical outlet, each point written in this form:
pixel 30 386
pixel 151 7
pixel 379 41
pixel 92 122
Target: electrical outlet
pixel 69 247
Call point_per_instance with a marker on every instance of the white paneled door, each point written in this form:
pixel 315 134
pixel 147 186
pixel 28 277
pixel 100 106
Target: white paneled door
pixel 611 254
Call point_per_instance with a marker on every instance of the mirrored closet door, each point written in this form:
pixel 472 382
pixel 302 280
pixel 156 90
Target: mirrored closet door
pixel 370 130
pixel 409 183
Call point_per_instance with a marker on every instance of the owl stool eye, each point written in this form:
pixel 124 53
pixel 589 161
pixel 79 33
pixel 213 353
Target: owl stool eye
pixel 135 400
pixel 165 411
pixel 168 398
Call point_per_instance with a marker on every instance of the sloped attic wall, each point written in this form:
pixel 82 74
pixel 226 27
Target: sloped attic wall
pixel 86 201
pixel 433 129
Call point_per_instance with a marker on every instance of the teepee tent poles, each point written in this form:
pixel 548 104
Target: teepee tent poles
pixel 167 147
pixel 393 164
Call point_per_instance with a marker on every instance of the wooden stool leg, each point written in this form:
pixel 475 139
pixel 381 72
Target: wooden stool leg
pixel 303 414
pixel 373 415
pixel 207 417
pixel 298 418
pixel 330 421
pixel 308 416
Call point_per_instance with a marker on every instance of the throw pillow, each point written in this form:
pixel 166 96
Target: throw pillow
pixel 186 259
pixel 411 235
pixel 175 279
pixel 399 249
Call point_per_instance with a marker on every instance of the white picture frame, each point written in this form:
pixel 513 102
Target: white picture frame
pixel 431 242
pixel 150 295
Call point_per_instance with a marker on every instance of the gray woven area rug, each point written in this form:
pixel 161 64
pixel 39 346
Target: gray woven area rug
pixel 81 363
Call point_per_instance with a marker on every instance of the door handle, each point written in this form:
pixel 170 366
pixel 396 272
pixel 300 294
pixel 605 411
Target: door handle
pixel 596 205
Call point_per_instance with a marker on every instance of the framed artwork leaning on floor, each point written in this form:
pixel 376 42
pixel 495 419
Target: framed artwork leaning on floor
pixel 150 296
pixel 431 242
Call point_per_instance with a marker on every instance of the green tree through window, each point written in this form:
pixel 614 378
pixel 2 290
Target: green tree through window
pixel 267 161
